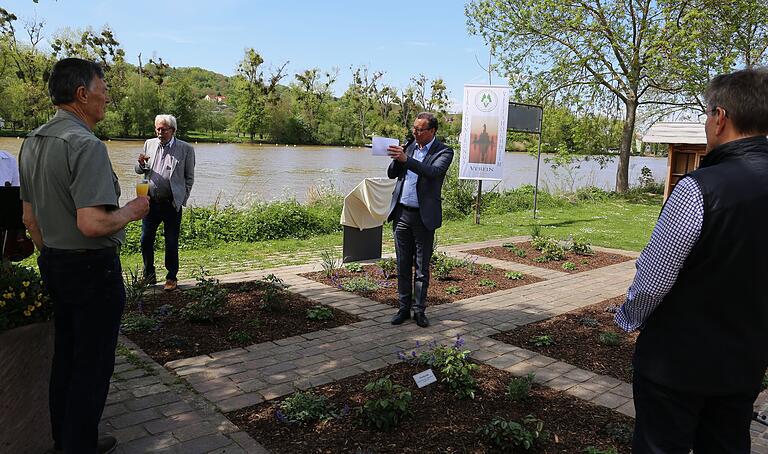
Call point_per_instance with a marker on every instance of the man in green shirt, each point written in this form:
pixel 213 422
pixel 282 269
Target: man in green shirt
pixel 70 196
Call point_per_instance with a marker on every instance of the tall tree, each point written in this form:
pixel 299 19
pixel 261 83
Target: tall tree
pixel 362 94
pixel 252 92
pixel 585 45
pixel 312 92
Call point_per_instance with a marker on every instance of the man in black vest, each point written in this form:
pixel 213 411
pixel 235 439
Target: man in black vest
pixel 696 299
pixel 416 211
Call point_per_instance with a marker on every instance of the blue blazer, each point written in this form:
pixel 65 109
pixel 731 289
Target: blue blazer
pixel 431 174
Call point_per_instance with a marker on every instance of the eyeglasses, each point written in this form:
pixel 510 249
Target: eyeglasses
pixel 703 116
pixel 420 130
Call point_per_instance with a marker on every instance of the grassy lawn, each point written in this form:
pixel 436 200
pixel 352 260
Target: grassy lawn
pixel 612 223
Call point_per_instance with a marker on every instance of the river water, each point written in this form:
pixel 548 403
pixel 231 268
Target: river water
pixel 239 173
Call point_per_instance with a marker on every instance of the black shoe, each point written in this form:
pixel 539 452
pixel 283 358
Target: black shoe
pixel 106 445
pixel 421 319
pixel 401 316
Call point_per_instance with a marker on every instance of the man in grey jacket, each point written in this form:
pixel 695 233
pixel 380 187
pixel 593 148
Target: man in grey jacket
pixel 169 165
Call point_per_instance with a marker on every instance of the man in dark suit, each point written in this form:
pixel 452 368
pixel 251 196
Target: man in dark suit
pixel 169 165
pixel 416 212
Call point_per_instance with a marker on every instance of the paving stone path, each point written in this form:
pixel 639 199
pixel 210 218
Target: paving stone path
pixel 179 408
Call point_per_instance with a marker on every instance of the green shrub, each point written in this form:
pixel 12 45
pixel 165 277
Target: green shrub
pixel 609 338
pixel 240 337
pixel 442 265
pixel 513 248
pixel 581 247
pixel 319 313
pixel 388 406
pixel 485 267
pixel 490 283
pixel 135 286
pixel 304 407
pixel 542 341
pixel 360 284
pixel 388 267
pixel 514 275
pixel 134 322
pixel 452 289
pixel 511 435
pixel 208 299
pixel 519 387
pixel 569 266
pixel 273 293
pixel 454 367
pixel 593 450
pixel 329 262
pixel 354 267
pixel 22 297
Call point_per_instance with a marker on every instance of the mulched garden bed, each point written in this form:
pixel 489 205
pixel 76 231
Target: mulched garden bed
pixel 469 283
pixel 441 422
pixel 242 322
pixel 576 337
pixel 582 262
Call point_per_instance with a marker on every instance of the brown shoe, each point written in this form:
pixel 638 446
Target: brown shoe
pixel 170 285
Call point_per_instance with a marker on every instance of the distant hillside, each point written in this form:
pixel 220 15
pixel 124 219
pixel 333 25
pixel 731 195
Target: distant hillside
pixel 204 80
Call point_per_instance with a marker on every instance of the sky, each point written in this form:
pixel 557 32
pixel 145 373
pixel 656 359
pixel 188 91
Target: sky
pixel 400 38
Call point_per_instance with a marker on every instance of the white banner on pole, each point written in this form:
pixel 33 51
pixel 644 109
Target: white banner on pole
pixel 483 132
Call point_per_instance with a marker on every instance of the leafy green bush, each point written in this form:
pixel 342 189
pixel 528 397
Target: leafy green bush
pixel 388 267
pixel 490 283
pixel 22 297
pixel 513 248
pixel 135 286
pixel 273 293
pixel 509 435
pixel 580 246
pixel 319 312
pixel 329 262
pixel 240 337
pixel 514 275
pixel 136 322
pixel 304 407
pixel 442 265
pixel 453 366
pixel 609 338
pixel 208 299
pixel 452 289
pixel 354 267
pixel 388 406
pixel 569 266
pixel 542 341
pixel 360 284
pixel 550 249
pixel 519 387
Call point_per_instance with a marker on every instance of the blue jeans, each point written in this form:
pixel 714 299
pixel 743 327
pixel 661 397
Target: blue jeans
pixel 171 218
pixel 88 299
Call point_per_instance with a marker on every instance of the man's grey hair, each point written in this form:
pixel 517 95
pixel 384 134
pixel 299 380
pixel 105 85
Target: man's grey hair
pixel 168 119
pixel 744 96
pixel 431 119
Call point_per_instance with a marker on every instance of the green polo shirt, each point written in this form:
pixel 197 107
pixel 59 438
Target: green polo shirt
pixel 63 167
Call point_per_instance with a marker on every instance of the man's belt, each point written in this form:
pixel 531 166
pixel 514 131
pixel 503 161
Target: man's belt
pixel 53 252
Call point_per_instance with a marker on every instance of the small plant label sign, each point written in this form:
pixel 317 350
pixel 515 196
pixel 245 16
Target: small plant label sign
pixel 425 378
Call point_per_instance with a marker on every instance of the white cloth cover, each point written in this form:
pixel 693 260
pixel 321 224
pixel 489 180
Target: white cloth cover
pixel 367 206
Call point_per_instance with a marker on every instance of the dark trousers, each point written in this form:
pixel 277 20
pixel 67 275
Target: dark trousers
pixel 669 421
pixel 161 211
pixel 413 247
pixel 88 297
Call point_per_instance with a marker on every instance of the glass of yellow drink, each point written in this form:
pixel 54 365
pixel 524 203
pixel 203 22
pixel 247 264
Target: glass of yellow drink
pixel 142 188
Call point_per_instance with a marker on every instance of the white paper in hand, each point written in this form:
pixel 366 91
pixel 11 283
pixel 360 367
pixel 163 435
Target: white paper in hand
pixel 380 144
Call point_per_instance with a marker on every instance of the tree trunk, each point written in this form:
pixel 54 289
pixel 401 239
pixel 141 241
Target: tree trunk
pixel 627 136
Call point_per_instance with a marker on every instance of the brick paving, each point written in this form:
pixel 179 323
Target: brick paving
pixel 178 408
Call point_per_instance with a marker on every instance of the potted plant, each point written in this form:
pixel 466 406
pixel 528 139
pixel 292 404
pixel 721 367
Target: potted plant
pixel 26 349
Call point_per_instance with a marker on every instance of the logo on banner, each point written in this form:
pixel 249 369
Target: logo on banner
pixel 486 100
